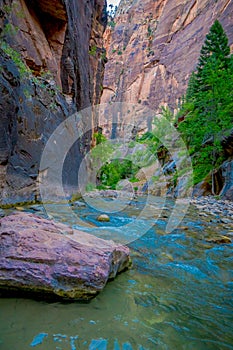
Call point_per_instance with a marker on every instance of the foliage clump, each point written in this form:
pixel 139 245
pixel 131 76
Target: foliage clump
pixel 114 171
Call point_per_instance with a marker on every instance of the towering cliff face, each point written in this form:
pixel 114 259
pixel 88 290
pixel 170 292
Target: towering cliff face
pixel 155 45
pixel 47 73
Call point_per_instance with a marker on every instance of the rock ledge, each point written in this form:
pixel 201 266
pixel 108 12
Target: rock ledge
pixel 36 257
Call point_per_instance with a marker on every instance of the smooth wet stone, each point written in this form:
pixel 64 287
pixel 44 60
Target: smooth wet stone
pixel 37 258
pixel 185 228
pixel 203 214
pixel 103 218
pixel 19 208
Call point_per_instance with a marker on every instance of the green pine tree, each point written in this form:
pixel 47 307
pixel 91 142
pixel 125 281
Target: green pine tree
pixel 208 103
pixel 214 55
pixel 191 88
pixel 215 45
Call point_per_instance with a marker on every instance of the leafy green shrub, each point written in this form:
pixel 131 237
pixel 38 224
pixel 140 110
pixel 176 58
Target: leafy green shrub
pixel 115 170
pixel 10 29
pixel 7 9
pixel 134 179
pixel 16 58
pixel 93 50
pixel 90 187
pixel 99 138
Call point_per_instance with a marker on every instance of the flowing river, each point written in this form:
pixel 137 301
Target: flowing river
pixel 177 296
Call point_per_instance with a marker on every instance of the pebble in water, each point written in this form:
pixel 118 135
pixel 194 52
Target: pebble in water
pixel 103 218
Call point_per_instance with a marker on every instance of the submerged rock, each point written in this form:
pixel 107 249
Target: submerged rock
pixel 79 204
pixel 36 257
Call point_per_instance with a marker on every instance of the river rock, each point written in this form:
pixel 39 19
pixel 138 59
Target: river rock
pixel 184 228
pixel 19 208
pixel 203 214
pixel 226 221
pixel 79 204
pixel 103 218
pixel 35 257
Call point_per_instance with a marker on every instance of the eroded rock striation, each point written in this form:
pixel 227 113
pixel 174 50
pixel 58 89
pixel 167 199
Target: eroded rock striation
pixel 153 46
pixel 50 259
pixel 47 73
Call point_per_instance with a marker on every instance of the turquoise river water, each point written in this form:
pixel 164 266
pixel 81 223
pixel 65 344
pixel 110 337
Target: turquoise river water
pixel 177 296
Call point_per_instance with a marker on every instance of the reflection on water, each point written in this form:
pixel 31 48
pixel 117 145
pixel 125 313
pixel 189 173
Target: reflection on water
pixel 177 296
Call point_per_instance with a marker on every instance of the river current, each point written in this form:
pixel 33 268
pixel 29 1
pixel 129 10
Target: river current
pixel 177 296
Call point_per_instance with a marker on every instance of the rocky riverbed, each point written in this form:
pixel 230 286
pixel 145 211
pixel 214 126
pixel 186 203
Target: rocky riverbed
pixel 221 210
pixel 178 291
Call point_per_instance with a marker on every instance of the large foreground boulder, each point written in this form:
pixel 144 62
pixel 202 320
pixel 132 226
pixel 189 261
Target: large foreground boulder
pixel 45 257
